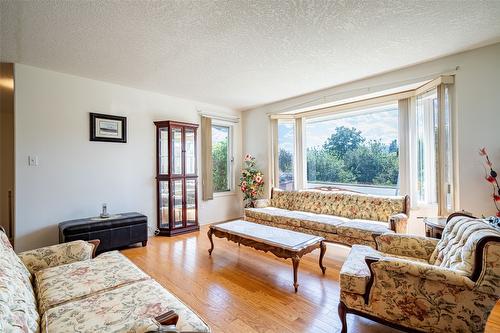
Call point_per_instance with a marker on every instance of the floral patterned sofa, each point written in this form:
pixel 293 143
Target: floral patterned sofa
pixel 421 284
pixel 341 217
pixel 61 288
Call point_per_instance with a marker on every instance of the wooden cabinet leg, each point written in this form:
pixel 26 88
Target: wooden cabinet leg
pixel 321 255
pixel 295 262
pixel 209 234
pixel 144 243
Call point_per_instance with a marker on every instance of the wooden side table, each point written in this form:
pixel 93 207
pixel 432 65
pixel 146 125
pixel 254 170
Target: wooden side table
pixel 434 226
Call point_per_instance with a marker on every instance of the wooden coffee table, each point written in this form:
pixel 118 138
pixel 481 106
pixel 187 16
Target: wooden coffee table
pixel 282 243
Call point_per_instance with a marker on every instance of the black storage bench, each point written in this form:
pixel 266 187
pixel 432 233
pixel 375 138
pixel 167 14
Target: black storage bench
pixel 115 232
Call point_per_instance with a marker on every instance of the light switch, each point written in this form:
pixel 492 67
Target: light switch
pixel 33 160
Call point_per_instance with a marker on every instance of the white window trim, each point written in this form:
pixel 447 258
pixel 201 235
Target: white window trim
pixel 230 152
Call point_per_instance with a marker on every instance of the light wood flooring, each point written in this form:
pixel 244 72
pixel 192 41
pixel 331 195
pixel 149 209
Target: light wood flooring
pixel 239 289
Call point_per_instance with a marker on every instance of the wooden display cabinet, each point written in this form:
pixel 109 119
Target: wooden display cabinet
pixel 176 177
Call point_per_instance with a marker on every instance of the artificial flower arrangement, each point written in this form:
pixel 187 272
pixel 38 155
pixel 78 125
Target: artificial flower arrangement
pixel 251 181
pixel 491 177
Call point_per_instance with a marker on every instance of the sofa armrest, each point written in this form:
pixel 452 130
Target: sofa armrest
pixel 399 223
pixel 406 245
pixel 60 254
pixel 262 203
pixel 387 268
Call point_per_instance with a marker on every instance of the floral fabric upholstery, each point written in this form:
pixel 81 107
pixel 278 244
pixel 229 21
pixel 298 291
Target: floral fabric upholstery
pixel 456 248
pixel 407 246
pixel 366 230
pixel 108 311
pixel 428 296
pixel 355 274
pixel 57 285
pixel 342 217
pixel 328 236
pixel 56 255
pixel 18 309
pixel 344 204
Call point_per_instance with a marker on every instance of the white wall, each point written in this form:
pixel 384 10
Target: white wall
pixel 478 115
pixel 75 176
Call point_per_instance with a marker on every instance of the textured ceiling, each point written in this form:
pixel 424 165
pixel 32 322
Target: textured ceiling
pixel 239 53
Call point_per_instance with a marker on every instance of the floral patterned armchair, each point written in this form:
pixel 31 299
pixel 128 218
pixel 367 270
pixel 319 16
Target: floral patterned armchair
pixel 422 284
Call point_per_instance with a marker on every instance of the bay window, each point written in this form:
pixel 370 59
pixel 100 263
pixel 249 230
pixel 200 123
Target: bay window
pixel 400 143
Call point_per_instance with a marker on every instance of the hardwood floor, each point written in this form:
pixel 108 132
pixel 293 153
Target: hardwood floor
pixel 239 289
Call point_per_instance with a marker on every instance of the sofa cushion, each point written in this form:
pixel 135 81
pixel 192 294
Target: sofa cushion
pixel 271 214
pixel 457 247
pixel 355 274
pixel 363 229
pixel 319 222
pixel 108 311
pixel 57 285
pixel 284 199
pixel 18 310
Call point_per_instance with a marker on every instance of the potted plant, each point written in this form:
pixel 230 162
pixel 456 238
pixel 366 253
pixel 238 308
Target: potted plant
pixel 492 178
pixel 251 181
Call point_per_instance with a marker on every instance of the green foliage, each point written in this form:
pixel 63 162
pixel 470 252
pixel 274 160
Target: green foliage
pixel 343 140
pixel 323 166
pixel 220 166
pixel 286 161
pixel 346 157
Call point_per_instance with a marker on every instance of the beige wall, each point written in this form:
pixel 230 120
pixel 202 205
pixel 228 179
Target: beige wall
pixel 477 115
pixel 6 143
pixel 75 176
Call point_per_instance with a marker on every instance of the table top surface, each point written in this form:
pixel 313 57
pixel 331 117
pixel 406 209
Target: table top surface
pixel 283 238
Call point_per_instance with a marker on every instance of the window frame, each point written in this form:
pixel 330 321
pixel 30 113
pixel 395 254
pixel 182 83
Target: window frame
pixel 347 113
pixel 230 156
pixel 406 137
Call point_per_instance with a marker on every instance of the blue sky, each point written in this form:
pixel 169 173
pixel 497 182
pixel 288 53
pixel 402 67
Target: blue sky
pixel 381 126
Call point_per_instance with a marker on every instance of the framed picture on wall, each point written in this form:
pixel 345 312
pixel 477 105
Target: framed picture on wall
pixel 108 128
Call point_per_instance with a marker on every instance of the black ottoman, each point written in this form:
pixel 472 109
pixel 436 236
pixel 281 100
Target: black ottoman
pixel 118 231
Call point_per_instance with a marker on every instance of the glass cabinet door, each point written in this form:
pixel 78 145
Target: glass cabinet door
pixel 164 203
pixel 176 150
pixel 163 150
pixel 190 201
pixel 177 191
pixel 190 158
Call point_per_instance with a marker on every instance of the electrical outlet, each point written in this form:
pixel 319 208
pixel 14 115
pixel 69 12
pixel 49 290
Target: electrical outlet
pixel 33 160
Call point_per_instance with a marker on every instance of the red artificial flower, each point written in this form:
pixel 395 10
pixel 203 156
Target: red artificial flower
pixel 490 179
pixel 482 151
pixel 496 197
pixel 498 214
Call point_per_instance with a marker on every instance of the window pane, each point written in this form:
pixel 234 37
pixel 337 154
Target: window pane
pixel 164 204
pixel 177 150
pixel 190 153
pixel 190 201
pixel 220 158
pixel 427 129
pixel 356 151
pixel 178 199
pixel 286 149
pixel 164 150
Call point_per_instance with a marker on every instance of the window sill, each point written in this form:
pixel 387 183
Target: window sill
pixel 224 194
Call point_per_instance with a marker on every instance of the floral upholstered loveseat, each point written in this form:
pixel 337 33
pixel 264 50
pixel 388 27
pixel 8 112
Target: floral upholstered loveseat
pixel 424 284
pixel 61 288
pixel 341 217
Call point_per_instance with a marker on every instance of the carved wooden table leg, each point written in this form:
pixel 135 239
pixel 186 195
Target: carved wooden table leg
pixel 209 234
pixel 321 255
pixel 295 261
